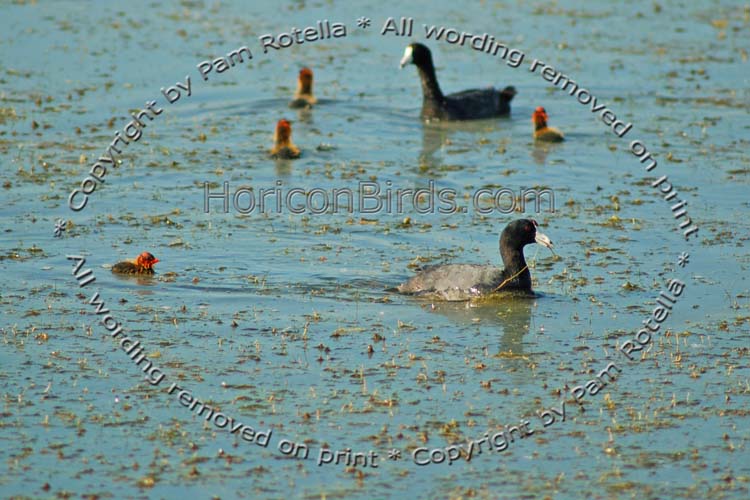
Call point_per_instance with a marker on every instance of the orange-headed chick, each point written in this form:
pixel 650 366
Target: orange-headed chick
pixel 541 131
pixel 303 97
pixel 282 142
pixel 143 264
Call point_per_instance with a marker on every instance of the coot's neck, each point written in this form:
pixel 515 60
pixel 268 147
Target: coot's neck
pixel 304 88
pixel 515 265
pixel 430 88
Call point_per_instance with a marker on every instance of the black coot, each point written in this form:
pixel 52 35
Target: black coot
pixel 467 281
pixel 466 105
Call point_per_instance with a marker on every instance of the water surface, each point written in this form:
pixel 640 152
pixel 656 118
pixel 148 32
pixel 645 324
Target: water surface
pixel 285 322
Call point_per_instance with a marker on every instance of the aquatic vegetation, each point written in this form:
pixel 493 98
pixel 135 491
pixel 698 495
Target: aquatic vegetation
pixel 286 322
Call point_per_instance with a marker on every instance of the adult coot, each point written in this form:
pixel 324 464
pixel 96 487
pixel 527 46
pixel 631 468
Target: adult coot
pixel 143 264
pixel 467 105
pixel 467 281
pixel 541 131
pixel 283 147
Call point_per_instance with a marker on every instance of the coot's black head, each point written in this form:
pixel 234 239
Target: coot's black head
pixel 520 233
pixel 417 54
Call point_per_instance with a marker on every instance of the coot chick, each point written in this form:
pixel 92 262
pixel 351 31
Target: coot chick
pixel 283 148
pixel 541 131
pixel 466 105
pixel 303 97
pixel 143 264
pixel 467 281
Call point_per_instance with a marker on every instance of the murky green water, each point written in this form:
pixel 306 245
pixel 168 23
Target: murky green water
pixel 284 322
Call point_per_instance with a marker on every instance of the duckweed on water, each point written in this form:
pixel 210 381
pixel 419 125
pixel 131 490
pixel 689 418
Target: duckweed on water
pixel 286 321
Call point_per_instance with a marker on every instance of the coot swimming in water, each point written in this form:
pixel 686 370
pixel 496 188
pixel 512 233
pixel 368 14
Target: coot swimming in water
pixel 466 105
pixel 303 97
pixel 143 264
pixel 467 281
pixel 283 147
pixel 541 131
